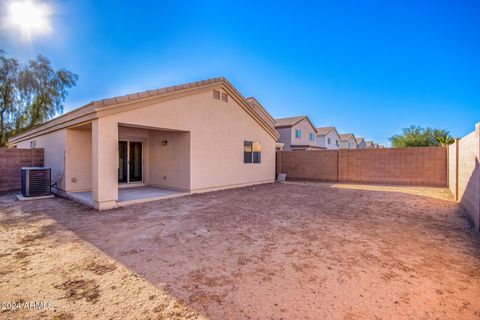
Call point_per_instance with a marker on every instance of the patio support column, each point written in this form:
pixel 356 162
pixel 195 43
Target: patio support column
pixel 104 163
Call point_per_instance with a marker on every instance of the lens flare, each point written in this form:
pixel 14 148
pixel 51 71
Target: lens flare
pixel 29 18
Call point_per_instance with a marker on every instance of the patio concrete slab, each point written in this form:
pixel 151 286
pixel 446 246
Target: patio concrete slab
pixel 128 196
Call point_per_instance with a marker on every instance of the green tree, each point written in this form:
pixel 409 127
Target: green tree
pixel 43 90
pixel 30 94
pixel 443 137
pixel 9 71
pixel 415 136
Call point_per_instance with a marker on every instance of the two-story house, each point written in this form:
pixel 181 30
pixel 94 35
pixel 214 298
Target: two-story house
pixel 297 133
pixel 348 141
pixel 361 144
pixel 328 137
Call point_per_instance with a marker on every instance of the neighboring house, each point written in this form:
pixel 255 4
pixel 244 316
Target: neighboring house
pixel 361 144
pixel 195 137
pixel 296 133
pixel 348 141
pixel 328 137
pixel 369 144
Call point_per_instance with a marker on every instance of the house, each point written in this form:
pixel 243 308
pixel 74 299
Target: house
pixel 369 144
pixel 297 133
pixel 348 141
pixel 188 138
pixel 328 137
pixel 361 143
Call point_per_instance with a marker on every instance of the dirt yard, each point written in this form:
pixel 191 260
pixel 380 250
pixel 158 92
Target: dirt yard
pixel 278 251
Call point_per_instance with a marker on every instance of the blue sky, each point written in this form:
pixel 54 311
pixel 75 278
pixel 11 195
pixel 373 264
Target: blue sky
pixel 368 67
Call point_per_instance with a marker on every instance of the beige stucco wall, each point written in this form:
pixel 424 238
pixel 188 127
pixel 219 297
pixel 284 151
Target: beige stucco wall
pixel 54 152
pixel 217 132
pixel 206 155
pixel 104 163
pixel 171 162
pixel 79 160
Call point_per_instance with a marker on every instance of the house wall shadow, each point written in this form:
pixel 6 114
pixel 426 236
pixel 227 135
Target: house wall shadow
pixel 470 199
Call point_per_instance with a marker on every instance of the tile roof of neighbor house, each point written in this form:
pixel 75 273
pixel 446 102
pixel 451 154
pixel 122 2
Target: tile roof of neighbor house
pixel 98 105
pixel 291 121
pixel 346 136
pixel 369 143
pixel 323 131
pixel 359 139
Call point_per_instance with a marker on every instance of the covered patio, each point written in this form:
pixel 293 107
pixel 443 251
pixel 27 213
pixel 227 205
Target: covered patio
pixel 127 196
pixel 128 164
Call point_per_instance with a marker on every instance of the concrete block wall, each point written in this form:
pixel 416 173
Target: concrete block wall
pixel 466 184
pixel 11 161
pixel 316 165
pixel 407 166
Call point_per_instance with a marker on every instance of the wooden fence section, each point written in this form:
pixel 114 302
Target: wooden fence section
pixel 12 160
pixel 403 166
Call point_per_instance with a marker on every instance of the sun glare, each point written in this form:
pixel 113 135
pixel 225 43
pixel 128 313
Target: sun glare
pixel 28 17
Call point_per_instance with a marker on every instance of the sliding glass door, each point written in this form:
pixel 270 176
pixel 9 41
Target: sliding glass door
pixel 135 168
pixel 130 161
pixel 122 162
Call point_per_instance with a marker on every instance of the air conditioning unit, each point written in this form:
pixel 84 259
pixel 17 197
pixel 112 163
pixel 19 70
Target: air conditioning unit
pixel 36 181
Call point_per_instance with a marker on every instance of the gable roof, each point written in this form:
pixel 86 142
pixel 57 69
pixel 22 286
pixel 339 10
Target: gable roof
pixel 95 108
pixel 291 121
pixel 288 122
pixel 323 131
pixel 369 143
pixel 359 140
pixel 347 136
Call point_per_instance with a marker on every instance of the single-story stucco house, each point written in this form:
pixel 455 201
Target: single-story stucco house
pixel 328 137
pixel 195 137
pixel 348 141
pixel 297 133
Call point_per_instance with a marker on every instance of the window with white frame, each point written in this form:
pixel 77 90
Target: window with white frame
pixel 329 140
pixel 312 136
pixel 252 152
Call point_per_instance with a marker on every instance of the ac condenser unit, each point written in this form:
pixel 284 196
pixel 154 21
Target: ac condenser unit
pixel 36 181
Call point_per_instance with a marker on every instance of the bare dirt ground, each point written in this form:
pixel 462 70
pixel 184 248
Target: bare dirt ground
pixel 277 251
